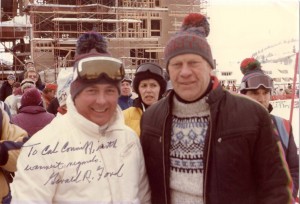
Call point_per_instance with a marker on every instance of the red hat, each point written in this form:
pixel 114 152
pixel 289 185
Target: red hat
pixel 51 86
pixel 31 97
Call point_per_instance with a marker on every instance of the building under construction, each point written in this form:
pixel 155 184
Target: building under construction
pixel 136 30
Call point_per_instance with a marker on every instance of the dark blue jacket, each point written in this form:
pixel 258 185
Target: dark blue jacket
pixel 125 102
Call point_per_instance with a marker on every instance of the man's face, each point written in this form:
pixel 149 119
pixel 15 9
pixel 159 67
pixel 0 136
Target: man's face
pixel 261 95
pixel 125 88
pixel 190 75
pixel 97 102
pixel 33 76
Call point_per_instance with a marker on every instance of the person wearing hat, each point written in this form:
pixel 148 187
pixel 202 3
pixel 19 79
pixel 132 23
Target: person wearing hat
pixel 259 86
pixel 27 83
pixel 6 88
pixel 204 144
pixel 32 116
pixel 88 155
pixel 150 85
pixel 48 94
pixel 125 99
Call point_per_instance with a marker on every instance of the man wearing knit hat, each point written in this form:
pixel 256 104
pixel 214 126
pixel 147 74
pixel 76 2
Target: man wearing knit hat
pixel 203 144
pixel 89 147
pixel 258 86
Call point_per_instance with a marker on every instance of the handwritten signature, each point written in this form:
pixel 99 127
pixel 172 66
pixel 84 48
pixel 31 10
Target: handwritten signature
pixel 83 176
pixel 88 148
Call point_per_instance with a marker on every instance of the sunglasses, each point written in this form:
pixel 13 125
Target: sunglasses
pixel 151 67
pixel 93 68
pixel 257 81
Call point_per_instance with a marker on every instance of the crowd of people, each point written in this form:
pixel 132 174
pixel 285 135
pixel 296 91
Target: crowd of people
pixel 99 136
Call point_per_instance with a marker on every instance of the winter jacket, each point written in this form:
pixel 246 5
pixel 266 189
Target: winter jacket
pixel 125 102
pixel 11 139
pixel 73 160
pixel 284 130
pixel 132 117
pixel 32 118
pixel 242 160
pixel 5 90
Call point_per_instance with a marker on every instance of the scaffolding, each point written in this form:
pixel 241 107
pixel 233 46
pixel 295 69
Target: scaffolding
pixel 136 30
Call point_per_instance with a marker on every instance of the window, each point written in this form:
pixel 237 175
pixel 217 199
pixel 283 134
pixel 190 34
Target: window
pixel 155 27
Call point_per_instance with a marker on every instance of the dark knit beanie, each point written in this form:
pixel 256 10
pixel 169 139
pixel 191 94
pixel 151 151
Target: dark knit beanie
pixel 139 76
pixel 31 97
pixel 250 67
pixel 191 39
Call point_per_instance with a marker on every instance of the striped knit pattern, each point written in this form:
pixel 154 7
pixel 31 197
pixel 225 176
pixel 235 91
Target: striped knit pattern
pixel 190 124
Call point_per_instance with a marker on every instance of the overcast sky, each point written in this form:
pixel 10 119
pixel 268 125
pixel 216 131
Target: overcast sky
pixel 241 27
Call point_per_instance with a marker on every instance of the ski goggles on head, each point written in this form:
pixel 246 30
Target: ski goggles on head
pixel 93 68
pixel 256 81
pixel 151 67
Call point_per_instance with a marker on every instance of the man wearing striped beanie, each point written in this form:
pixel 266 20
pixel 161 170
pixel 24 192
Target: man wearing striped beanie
pixel 203 144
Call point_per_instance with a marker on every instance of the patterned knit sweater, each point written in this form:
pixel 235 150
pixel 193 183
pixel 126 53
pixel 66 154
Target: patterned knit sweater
pixel 190 124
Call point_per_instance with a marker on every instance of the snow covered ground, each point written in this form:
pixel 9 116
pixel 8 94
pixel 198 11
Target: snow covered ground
pixel 282 108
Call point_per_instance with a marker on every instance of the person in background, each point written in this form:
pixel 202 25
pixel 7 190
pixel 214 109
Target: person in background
pixel 11 140
pixel 258 86
pixel 88 148
pixel 125 100
pixel 32 74
pixel 48 94
pixel 150 85
pixel 29 64
pixel 7 87
pixel 27 83
pixel 12 99
pixel 32 116
pixel 29 68
pixel 204 144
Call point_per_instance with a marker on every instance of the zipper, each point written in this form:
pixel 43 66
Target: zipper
pixel 207 159
pixel 221 139
pixel 164 159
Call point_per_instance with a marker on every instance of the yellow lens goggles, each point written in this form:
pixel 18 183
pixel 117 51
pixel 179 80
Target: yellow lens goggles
pixel 93 68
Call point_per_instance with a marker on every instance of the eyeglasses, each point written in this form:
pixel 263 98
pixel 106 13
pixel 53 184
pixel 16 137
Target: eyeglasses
pixel 256 81
pixel 32 76
pixel 93 68
pixel 151 67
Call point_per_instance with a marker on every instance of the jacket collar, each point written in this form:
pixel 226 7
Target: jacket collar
pixel 91 128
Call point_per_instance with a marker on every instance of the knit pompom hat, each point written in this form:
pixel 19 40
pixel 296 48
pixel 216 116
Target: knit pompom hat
pixel 90 44
pixel 191 38
pixel 31 97
pixel 148 74
pixel 27 83
pixel 250 68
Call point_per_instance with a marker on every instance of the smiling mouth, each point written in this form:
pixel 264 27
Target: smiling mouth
pixel 99 110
